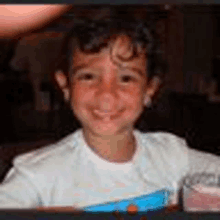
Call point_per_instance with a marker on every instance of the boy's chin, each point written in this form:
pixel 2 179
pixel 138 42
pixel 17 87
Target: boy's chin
pixel 104 132
pixel 108 131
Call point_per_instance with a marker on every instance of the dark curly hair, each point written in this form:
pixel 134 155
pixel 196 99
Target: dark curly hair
pixel 92 35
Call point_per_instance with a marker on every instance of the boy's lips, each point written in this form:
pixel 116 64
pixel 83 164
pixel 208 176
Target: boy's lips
pixel 105 115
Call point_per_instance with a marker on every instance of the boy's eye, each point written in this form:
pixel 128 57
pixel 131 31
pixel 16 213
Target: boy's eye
pixel 127 78
pixel 86 76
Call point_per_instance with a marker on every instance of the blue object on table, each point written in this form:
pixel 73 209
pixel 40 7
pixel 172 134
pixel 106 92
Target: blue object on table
pixel 156 200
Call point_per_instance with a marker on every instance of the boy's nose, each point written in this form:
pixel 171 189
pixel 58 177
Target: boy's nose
pixel 107 98
pixel 106 103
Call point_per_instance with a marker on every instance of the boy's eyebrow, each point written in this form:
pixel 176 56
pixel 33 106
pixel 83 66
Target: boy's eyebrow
pixel 137 70
pixel 79 67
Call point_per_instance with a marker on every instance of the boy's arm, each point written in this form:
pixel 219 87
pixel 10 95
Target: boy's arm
pixel 201 162
pixel 17 191
pixel 17 20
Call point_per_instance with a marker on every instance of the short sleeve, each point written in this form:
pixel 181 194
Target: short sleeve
pixel 17 191
pixel 200 162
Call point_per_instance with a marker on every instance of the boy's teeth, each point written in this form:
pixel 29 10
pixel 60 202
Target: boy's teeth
pixel 104 116
pixel 107 118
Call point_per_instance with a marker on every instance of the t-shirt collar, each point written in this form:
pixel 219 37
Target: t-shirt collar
pixel 104 164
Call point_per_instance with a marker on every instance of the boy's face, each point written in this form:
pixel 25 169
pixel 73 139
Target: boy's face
pixel 106 98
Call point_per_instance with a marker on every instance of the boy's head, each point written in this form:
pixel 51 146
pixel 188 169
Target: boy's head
pixel 105 74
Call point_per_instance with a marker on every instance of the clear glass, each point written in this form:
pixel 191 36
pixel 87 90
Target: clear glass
pixel 201 192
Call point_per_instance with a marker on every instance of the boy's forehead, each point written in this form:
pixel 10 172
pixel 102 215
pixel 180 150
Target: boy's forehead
pixel 120 48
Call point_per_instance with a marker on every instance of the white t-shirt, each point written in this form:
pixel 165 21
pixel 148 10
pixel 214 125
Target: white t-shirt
pixel 69 173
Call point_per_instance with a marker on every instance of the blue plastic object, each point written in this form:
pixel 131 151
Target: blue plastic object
pixel 156 200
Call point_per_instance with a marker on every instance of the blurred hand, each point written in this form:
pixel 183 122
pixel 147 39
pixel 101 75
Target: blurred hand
pixel 17 20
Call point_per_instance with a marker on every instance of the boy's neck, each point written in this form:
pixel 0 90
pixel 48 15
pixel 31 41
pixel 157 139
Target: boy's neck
pixel 118 148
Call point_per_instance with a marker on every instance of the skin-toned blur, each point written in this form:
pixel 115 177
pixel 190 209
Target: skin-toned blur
pixel 19 20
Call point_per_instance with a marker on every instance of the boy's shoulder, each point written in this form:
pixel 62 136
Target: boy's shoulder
pixel 60 150
pixel 169 150
pixel 164 140
pixel 161 136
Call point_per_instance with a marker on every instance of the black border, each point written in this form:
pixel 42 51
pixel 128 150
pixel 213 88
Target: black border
pixel 27 214
pixel 113 2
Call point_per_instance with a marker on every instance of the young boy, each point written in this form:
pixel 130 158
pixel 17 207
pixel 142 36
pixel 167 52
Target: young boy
pixel 105 79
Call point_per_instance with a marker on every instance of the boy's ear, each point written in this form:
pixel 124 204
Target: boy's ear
pixel 62 82
pixel 152 88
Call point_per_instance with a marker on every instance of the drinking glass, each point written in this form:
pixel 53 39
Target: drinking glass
pixel 201 192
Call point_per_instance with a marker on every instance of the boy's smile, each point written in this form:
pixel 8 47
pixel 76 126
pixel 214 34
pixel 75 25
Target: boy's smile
pixel 105 115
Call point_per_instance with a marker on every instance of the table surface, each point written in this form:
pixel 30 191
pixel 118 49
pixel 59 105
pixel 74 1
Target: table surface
pixel 33 214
